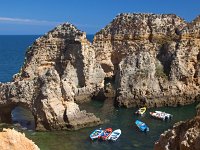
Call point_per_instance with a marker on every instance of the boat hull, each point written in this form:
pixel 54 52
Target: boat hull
pixel 106 134
pixel 115 135
pixel 142 126
pixel 161 115
pixel 96 134
pixel 141 111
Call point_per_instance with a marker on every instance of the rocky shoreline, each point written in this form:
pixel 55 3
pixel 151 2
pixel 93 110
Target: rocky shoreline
pixel 183 136
pixel 153 60
pixel 151 56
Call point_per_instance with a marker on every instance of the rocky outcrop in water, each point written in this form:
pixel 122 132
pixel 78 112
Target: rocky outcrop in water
pixel 183 136
pixel 154 59
pixel 13 140
pixel 59 70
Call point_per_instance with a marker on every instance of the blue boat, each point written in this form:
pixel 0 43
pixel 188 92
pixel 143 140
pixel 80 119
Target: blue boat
pixel 142 126
pixel 96 134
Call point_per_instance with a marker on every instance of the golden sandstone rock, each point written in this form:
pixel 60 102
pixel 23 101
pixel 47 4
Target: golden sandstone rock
pixel 13 140
pixel 149 57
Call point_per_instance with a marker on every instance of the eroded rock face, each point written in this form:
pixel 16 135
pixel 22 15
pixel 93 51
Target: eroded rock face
pixel 183 136
pixel 154 59
pixel 13 140
pixel 59 70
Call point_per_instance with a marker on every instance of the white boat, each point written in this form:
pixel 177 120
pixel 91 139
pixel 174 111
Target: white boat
pixel 161 115
pixel 115 135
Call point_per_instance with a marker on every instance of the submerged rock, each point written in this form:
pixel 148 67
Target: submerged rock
pixel 13 140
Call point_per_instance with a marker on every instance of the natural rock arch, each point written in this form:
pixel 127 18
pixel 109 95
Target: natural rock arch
pixel 63 67
pixel 59 68
pixel 23 116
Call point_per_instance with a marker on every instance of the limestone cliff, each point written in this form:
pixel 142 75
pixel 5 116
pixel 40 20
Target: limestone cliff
pixel 183 136
pixel 13 140
pixel 153 58
pixel 59 70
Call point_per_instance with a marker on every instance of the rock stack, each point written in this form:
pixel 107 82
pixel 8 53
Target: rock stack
pixel 153 58
pixel 59 70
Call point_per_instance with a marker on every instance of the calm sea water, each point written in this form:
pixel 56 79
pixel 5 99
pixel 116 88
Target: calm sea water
pixel 12 50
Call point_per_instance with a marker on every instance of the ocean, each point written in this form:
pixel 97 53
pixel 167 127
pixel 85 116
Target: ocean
pixel 12 53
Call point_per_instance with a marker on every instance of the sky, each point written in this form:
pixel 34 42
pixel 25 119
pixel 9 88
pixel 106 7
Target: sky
pixel 36 17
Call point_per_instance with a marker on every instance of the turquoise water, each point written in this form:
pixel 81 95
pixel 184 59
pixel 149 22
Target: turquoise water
pixel 115 118
pixel 12 50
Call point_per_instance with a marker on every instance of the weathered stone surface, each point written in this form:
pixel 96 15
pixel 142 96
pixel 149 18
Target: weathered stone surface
pixel 13 140
pixel 59 70
pixel 183 136
pixel 154 59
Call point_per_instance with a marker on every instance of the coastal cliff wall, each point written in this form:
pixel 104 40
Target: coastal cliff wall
pixel 155 59
pixel 59 70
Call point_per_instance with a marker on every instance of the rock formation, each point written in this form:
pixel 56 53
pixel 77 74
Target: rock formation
pixel 13 140
pixel 183 136
pixel 59 70
pixel 153 58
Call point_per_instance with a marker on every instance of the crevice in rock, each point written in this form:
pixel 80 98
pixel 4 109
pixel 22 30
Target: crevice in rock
pixel 109 87
pixel 166 58
pixel 41 122
pixel 116 58
pixel 151 30
pixel 108 91
pixel 5 114
pixel 197 67
pixel 77 58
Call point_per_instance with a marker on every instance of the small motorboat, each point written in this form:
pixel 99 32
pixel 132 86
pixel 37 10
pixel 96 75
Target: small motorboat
pixel 96 134
pixel 115 135
pixel 161 115
pixel 142 126
pixel 141 111
pixel 107 132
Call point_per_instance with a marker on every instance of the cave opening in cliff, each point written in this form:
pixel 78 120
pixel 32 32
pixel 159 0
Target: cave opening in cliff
pixel 108 91
pixel 23 118
pixel 165 56
pixel 109 87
